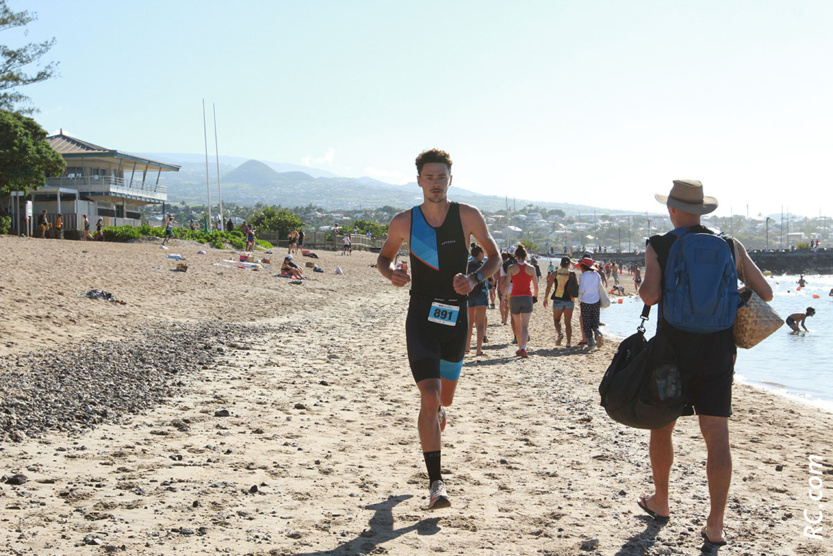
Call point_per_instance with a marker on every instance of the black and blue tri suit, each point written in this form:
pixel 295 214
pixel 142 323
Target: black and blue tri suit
pixel 436 349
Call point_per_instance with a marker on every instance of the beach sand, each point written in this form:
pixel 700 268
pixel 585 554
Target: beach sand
pixel 319 452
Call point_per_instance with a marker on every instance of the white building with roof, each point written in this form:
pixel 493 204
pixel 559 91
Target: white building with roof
pixel 101 183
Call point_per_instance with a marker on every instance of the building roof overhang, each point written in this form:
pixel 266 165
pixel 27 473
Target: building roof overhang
pixel 72 148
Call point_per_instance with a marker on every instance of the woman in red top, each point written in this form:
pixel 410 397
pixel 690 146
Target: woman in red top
pixel 524 282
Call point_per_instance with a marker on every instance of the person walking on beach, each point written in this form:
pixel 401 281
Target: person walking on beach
pixel 705 362
pixel 637 278
pixel 799 318
pixel 524 282
pixel 44 224
pixel 590 302
pixel 566 286
pixel 250 238
pixel 503 301
pixel 169 230
pixel 86 227
pixel 293 241
pixel 437 232
pixel 478 301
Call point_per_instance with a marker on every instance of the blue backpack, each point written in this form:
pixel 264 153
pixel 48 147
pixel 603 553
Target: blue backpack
pixel 700 294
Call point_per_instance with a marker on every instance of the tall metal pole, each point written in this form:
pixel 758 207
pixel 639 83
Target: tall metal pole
pixel 767 232
pixel 217 150
pixel 207 184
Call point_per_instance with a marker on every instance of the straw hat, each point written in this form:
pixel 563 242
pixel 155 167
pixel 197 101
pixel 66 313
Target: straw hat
pixel 687 195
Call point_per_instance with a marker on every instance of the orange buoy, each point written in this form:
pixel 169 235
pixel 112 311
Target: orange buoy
pixel 815 296
pixel 620 299
pixel 798 289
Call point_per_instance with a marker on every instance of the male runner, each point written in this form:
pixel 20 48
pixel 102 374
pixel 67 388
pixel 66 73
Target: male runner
pixel 438 234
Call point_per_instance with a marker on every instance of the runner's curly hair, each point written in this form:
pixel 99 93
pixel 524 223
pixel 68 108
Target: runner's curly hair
pixel 432 155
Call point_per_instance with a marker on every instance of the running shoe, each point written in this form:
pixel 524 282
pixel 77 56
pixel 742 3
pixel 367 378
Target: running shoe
pixel 559 339
pixel 523 354
pixel 441 418
pixel 438 497
pixel 600 341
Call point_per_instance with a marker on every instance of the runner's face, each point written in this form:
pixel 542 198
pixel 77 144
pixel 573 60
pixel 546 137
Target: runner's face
pixel 434 180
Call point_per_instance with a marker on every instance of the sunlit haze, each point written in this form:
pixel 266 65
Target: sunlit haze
pixel 585 102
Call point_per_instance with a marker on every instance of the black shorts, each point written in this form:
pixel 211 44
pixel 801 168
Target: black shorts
pixel 707 367
pixel 435 350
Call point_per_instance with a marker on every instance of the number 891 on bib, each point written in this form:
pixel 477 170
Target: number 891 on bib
pixel 443 314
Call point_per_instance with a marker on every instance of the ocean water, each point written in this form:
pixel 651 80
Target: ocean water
pixel 794 365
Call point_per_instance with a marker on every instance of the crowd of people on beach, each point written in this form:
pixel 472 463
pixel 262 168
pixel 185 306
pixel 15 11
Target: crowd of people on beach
pixel 449 280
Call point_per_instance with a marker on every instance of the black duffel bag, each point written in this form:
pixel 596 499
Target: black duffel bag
pixel 642 386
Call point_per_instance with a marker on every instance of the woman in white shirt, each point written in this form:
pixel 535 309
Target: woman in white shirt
pixel 588 295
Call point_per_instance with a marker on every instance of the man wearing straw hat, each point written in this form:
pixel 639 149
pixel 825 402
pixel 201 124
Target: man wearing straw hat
pixel 705 362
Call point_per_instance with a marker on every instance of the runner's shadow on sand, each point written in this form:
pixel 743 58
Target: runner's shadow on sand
pixel 641 542
pixel 380 531
pixel 486 362
pixel 558 352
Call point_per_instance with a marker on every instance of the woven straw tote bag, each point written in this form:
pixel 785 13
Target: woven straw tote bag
pixel 755 320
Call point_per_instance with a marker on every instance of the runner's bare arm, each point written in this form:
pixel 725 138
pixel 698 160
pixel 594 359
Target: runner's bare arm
pixel 507 280
pixel 650 291
pixel 397 233
pixel 475 225
pixel 550 279
pixel 534 283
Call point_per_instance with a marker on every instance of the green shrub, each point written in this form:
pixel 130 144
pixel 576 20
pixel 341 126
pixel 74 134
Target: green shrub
pixel 5 224
pixel 263 243
pixel 120 233
pixel 214 238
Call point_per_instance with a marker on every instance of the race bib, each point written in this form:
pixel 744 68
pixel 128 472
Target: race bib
pixel 443 314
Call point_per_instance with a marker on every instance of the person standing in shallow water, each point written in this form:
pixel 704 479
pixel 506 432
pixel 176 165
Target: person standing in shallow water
pixel 800 319
pixel 437 232
pixel 705 363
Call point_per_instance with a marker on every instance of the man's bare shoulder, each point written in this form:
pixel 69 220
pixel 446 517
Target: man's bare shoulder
pixel 469 211
pixel 401 222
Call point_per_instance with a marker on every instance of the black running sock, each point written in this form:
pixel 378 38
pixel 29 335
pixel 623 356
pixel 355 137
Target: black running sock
pixel 432 463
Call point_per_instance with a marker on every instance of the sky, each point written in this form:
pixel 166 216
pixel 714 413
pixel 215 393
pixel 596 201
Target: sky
pixel 587 102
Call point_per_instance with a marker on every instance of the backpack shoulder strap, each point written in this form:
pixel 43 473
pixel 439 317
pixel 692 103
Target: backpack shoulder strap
pixel 730 240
